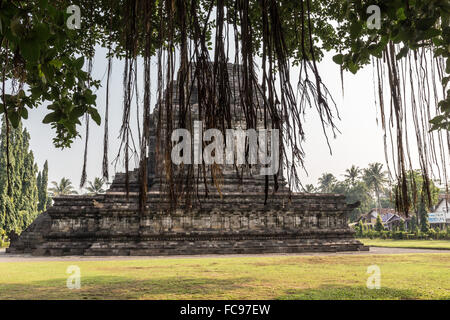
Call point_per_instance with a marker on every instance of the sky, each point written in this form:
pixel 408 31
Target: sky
pixel 359 143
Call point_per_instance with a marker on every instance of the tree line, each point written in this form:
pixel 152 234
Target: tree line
pixel 372 188
pixel 418 227
pixel 65 187
pixel 30 193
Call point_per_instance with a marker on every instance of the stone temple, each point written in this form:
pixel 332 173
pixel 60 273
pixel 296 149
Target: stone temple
pixel 232 220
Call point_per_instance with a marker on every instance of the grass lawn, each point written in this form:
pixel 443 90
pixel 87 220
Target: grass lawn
pixel 423 244
pixel 403 276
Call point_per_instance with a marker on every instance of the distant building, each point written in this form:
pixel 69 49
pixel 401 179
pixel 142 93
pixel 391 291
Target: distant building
pixel 369 218
pixel 440 215
pixel 389 217
pixel 394 220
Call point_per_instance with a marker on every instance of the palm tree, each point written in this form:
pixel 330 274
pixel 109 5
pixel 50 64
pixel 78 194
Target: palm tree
pixel 309 188
pixel 96 186
pixel 327 182
pixel 64 187
pixel 352 174
pixel 375 178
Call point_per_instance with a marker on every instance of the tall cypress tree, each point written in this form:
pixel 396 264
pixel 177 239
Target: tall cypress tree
pixel 18 209
pixel 424 223
pixel 379 224
pixel 39 187
pixel 42 185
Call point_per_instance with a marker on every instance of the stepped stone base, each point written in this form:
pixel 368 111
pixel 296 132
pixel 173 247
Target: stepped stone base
pixel 111 224
pixel 32 237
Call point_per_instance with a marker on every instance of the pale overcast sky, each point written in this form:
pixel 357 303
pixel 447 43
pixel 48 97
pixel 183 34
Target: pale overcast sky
pixel 359 143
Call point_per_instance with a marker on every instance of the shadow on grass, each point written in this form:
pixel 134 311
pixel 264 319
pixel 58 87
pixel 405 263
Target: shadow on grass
pixel 350 293
pixel 116 287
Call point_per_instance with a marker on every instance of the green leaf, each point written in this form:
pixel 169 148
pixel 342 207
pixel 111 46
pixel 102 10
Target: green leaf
pixel 36 92
pixel 437 41
pixel 51 117
pixel 29 50
pixel 77 112
pixel 439 51
pixel 353 67
pixel 70 80
pixel 444 105
pixel 43 4
pixel 42 32
pixel 24 113
pixel 430 33
pixel 48 72
pixel 437 119
pixel 403 52
pixel 79 63
pixel 16 27
pixel 376 49
pixel 355 29
pixel 339 58
pixel 403 35
pixel 56 63
pixel 95 116
pixel 445 81
pixel 401 14
pixel 425 24
pixel 14 119
pixel 90 98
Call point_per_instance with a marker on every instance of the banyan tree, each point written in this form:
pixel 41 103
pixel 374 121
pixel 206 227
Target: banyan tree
pixel 406 42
